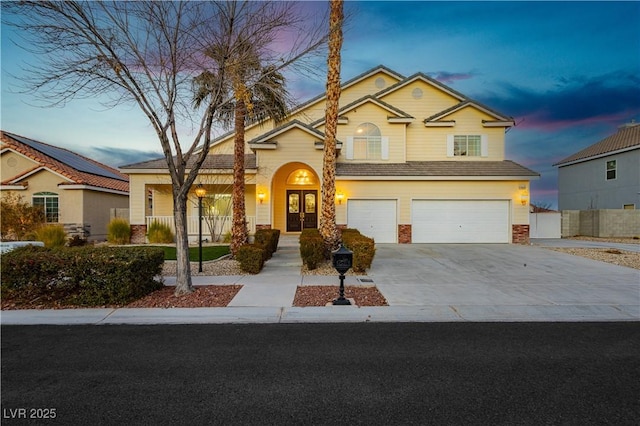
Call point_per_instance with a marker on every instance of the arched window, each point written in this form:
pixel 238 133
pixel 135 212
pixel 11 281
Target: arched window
pixel 367 142
pixel 48 201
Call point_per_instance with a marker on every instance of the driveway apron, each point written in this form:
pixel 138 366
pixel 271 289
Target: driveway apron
pixel 500 275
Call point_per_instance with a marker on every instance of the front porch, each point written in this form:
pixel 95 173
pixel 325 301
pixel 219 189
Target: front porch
pixel 214 228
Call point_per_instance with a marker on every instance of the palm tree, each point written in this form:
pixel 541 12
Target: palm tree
pixel 258 92
pixel 328 228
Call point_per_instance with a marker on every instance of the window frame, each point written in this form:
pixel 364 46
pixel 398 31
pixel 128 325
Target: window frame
pixel 483 146
pixel 613 170
pixel 46 206
pixel 370 139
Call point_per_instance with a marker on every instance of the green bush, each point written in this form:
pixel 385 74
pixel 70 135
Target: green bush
pixel 251 258
pixel 85 276
pixel 159 233
pixel 312 249
pixel 363 248
pixel 269 239
pixel 51 235
pixel 119 231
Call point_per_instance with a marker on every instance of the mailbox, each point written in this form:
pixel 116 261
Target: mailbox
pixel 342 259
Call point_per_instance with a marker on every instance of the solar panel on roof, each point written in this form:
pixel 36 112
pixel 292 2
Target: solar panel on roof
pixel 69 158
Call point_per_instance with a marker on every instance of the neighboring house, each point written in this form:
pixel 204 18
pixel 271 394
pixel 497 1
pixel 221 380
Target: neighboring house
pixel 605 175
pixel 417 162
pixel 73 190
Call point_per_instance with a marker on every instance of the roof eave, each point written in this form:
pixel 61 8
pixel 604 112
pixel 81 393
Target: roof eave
pixel 595 157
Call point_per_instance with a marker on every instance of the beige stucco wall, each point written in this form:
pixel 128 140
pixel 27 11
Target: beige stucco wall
pixel 75 206
pixel 14 164
pixel 97 210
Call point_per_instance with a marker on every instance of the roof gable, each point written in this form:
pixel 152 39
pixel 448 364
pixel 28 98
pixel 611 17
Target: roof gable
pixel 395 113
pixel 269 136
pixel 421 77
pixel 625 139
pixel 74 168
pixel 471 104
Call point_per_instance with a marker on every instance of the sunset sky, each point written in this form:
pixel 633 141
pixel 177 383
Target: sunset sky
pixel 568 72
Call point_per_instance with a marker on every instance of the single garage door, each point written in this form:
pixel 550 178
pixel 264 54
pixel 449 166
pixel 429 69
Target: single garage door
pixel 460 221
pixel 373 218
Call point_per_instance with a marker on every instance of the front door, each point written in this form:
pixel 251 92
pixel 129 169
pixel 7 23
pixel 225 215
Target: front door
pixel 302 209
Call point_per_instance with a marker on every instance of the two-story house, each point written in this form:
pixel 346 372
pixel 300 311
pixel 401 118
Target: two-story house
pixel 74 191
pixel 417 162
pixel 604 175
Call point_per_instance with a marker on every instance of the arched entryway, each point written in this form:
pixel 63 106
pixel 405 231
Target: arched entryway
pixel 296 191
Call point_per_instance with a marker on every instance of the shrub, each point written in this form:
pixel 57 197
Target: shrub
pixel 86 276
pixel 17 217
pixel 119 231
pixel 312 249
pixel 251 258
pixel 159 233
pixel 269 239
pixel 363 249
pixel 51 235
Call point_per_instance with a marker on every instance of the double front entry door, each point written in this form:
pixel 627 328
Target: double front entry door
pixel 302 209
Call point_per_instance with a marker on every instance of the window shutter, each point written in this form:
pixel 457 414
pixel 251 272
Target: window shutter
pixel 349 147
pixel 449 145
pixel 484 146
pixel 385 147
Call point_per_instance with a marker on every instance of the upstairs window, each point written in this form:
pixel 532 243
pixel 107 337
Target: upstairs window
pixel 467 146
pixel 48 202
pixel 367 144
pixel 611 169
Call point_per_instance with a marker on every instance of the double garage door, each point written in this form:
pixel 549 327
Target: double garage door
pixel 434 221
pixel 460 221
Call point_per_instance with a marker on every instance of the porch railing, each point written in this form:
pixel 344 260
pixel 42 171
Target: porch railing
pixel 222 224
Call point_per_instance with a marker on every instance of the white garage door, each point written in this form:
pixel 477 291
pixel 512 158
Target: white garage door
pixel 373 218
pixel 460 221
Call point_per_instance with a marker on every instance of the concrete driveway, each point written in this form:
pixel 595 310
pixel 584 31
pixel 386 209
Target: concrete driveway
pixel 505 277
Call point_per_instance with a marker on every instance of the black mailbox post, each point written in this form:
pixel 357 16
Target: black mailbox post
pixel 342 261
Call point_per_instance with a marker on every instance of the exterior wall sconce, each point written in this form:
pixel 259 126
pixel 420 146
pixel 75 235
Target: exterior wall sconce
pixel 340 197
pixel 261 196
pixel 524 195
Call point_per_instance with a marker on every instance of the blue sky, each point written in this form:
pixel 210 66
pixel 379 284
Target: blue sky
pixel 568 72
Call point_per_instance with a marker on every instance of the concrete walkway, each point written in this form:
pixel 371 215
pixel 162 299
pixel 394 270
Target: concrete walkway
pixel 421 282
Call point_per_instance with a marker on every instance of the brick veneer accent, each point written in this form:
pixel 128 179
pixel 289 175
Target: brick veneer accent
pixel 138 234
pixel 404 234
pixel 520 234
pixel 259 227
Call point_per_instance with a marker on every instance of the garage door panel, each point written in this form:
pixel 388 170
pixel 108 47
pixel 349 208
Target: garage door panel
pixel 374 218
pixel 460 221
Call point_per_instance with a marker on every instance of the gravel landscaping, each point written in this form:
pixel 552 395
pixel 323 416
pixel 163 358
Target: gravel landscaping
pixel 608 255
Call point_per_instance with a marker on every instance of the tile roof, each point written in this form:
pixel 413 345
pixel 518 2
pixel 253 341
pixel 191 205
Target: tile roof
pixel 435 168
pixel 93 173
pixel 627 137
pixel 220 161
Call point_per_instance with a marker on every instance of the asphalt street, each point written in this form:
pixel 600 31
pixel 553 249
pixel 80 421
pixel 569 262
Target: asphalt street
pixel 365 373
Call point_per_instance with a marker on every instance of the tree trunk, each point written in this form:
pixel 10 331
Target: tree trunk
pixel 239 232
pixel 183 272
pixel 328 228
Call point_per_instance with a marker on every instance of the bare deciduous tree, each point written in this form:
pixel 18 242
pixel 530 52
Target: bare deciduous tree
pixel 147 53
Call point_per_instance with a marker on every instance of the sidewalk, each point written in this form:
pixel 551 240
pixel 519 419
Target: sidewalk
pixel 422 283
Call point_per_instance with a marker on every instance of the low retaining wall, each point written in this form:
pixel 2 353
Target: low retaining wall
pixel 601 223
